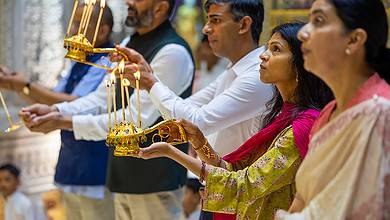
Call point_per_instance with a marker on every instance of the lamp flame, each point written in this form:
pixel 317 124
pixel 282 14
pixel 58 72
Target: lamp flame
pixel 103 3
pixel 113 78
pixel 122 66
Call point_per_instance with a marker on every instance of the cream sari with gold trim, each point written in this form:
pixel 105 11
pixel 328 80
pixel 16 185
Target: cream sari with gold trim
pixel 346 174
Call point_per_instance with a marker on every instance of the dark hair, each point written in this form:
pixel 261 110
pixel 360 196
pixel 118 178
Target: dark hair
pixel 369 15
pixel 311 92
pixel 12 169
pixel 242 8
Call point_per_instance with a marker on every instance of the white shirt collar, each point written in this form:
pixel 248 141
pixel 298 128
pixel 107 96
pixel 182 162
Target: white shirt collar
pixel 252 58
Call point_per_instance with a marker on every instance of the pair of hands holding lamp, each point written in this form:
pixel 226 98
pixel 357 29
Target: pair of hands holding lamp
pixel 195 136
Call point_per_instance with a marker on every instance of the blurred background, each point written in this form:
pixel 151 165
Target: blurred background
pixel 31 41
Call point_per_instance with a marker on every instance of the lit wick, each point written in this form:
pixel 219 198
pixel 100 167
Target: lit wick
pixel 137 76
pixel 121 70
pixel 114 95
pixel 126 84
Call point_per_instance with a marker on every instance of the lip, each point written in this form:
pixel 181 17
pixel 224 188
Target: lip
pixel 262 67
pixel 304 50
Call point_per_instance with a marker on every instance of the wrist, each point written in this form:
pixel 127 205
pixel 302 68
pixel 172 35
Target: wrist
pixel 19 86
pixel 150 83
pixel 54 108
pixel 66 122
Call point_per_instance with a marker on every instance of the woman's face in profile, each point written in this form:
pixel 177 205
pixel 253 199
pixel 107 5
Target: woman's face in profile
pixel 324 40
pixel 276 66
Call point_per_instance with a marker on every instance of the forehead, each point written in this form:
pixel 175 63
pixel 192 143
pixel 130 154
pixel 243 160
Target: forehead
pixel 322 6
pixel 5 173
pixel 221 9
pixel 277 38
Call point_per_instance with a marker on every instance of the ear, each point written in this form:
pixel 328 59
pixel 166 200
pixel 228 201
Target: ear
pixel 357 39
pixel 161 9
pixel 246 23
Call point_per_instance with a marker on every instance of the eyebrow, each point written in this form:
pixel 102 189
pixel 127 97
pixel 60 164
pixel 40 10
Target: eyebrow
pixel 275 42
pixel 215 15
pixel 317 11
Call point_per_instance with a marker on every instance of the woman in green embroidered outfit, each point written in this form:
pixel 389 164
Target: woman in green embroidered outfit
pixel 258 178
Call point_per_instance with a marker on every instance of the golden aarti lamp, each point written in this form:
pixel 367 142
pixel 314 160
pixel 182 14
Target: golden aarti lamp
pixel 125 136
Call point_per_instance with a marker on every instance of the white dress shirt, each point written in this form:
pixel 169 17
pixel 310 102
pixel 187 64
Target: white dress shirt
pixel 229 109
pixel 172 65
pixel 18 207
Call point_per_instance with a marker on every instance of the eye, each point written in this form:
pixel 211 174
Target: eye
pixel 215 20
pixel 318 20
pixel 275 49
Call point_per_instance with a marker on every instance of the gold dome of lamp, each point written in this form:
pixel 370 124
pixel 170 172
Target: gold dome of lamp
pixel 78 46
pixel 12 125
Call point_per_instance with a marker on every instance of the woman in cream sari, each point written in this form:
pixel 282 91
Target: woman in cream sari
pixel 346 174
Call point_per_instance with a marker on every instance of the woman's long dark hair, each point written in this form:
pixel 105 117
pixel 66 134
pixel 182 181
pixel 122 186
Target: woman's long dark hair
pixel 369 15
pixel 311 92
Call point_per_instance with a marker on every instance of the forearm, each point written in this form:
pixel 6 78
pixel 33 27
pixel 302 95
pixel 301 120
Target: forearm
pixel 39 94
pixel 192 164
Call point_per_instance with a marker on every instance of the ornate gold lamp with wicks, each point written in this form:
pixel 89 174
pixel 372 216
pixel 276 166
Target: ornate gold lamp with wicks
pixel 124 136
pixel 12 126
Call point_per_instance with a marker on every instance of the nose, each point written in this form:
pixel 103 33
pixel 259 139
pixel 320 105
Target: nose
pixel 206 29
pixel 264 56
pixel 303 34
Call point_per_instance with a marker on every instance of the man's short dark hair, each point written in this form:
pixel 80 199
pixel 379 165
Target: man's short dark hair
pixel 11 168
pixel 241 8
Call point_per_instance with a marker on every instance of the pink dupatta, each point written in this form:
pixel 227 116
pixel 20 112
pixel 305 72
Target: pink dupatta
pixel 258 144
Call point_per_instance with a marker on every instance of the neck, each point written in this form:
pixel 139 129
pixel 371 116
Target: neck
pixel 145 30
pixel 348 82
pixel 241 50
pixel 287 91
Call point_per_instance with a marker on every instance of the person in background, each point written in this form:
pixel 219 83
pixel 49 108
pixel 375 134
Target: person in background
pixel 17 206
pixel 191 200
pixel 209 65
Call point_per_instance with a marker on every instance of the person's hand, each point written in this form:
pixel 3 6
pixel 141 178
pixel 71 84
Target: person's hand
pixel 32 111
pixel 194 134
pixel 12 81
pixel 136 63
pixel 49 122
pixel 160 149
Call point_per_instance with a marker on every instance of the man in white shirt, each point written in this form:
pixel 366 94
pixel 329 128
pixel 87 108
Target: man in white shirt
pixel 228 107
pixel 17 205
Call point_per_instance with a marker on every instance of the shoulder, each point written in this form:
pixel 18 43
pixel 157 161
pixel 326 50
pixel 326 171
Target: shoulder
pixel 175 53
pixel 21 201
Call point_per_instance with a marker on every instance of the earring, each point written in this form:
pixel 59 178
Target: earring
pixel 348 51
pixel 296 78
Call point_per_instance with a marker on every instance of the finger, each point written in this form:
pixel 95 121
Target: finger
pixel 133 55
